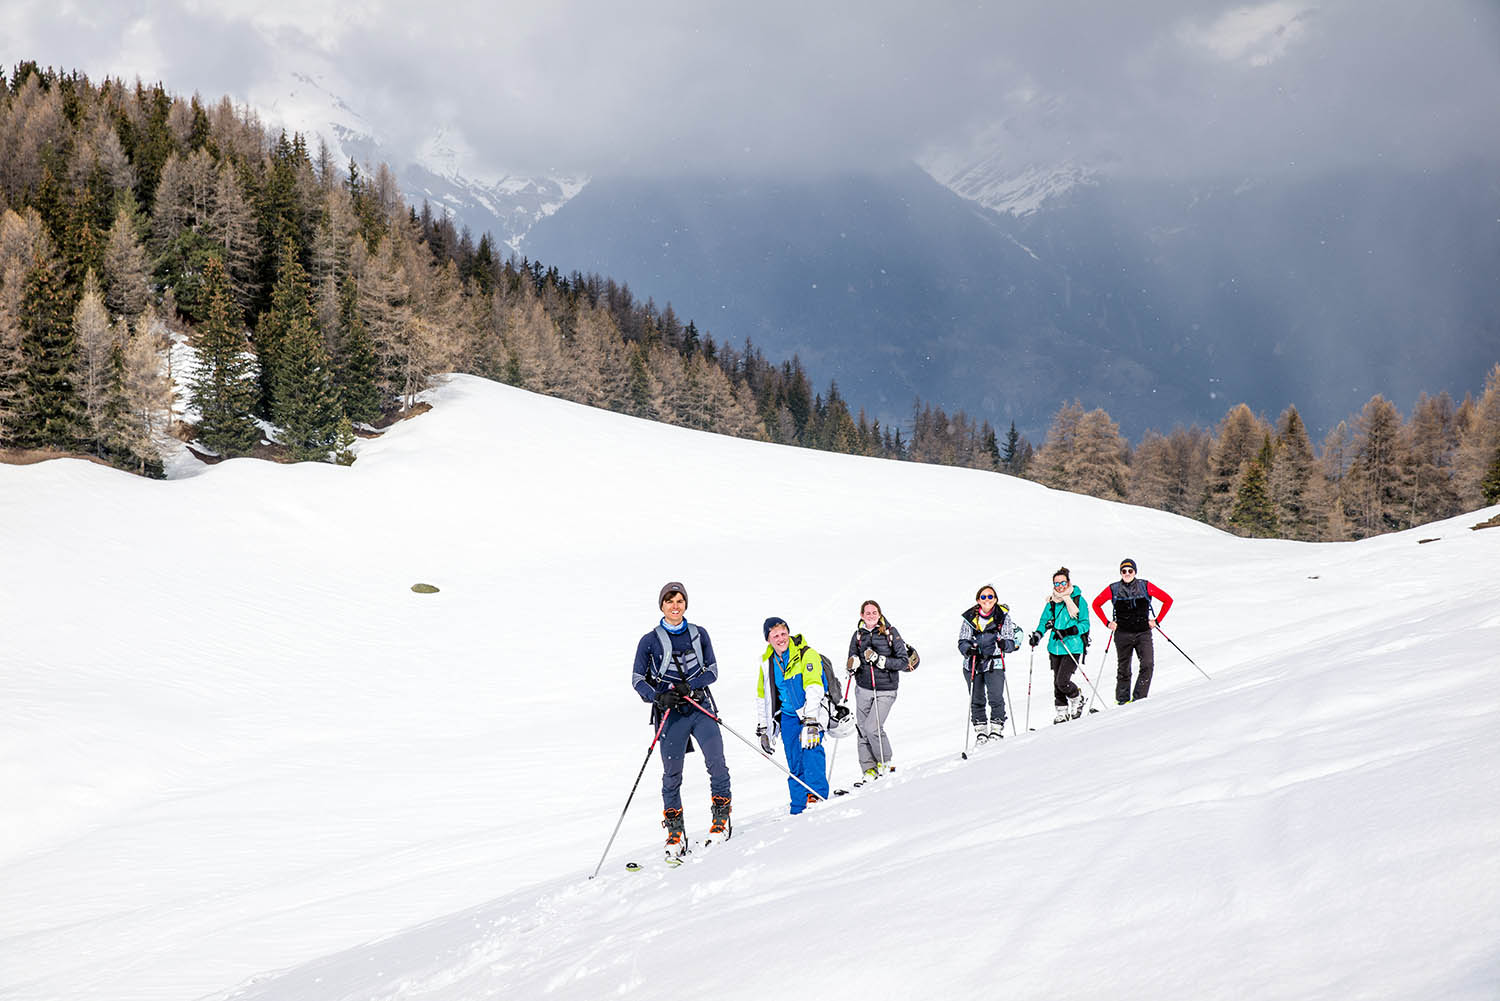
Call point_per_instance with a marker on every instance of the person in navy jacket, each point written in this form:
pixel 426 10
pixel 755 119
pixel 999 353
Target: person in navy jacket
pixel 675 663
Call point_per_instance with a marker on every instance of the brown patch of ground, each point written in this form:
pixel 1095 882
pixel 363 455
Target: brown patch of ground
pixel 387 419
pixel 29 456
pixel 1492 523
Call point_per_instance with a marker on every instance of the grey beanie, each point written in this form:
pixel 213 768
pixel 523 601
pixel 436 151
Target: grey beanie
pixel 668 588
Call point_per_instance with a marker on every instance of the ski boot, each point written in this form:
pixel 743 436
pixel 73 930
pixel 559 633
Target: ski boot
pixel 677 844
pixel 720 829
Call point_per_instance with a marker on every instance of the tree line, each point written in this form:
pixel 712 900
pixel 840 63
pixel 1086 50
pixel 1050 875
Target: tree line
pixel 1375 472
pixel 316 303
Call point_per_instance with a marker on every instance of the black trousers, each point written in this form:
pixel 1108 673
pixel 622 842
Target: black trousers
pixel 1140 643
pixel 1063 687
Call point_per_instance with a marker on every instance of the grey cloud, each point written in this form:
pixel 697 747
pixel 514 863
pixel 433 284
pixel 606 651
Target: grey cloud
pixel 667 86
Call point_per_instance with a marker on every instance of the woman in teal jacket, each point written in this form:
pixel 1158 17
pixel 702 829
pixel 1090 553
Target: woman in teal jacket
pixel 1067 615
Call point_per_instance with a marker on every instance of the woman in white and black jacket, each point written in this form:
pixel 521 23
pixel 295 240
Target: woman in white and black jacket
pixel 877 656
pixel 987 634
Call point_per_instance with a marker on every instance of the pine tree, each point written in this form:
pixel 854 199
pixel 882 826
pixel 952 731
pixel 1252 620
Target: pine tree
pixel 305 401
pixel 1489 487
pixel 224 390
pixel 51 410
pixel 1012 457
pixel 355 366
pixel 1254 511
pixel 291 303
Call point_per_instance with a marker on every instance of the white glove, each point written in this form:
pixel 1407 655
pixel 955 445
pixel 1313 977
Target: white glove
pixel 812 734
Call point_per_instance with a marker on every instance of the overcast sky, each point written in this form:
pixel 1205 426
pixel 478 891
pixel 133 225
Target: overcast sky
pixel 1149 86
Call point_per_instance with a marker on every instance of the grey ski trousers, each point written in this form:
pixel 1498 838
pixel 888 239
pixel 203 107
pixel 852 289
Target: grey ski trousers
pixel 870 711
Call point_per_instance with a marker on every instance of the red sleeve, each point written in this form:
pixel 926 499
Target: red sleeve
pixel 1161 596
pixel 1098 606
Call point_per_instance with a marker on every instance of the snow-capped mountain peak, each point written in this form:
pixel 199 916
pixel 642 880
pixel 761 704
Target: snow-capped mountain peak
pixel 444 170
pixel 995 180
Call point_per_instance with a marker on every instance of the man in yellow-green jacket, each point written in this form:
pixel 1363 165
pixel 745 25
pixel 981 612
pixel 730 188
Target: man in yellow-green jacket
pixel 789 698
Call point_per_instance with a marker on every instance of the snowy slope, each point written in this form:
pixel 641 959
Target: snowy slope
pixel 242 759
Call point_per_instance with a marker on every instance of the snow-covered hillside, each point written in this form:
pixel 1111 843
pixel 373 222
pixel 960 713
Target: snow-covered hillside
pixel 241 758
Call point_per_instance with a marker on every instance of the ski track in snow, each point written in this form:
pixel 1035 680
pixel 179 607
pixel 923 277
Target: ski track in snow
pixel 241 760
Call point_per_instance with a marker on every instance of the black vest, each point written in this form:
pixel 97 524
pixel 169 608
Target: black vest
pixel 1132 604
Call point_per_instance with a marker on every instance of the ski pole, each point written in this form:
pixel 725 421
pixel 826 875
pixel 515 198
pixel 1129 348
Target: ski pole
pixel 835 755
pixel 1030 671
pixel 633 788
pixel 1181 651
pixel 879 723
pixel 969 710
pixel 1078 664
pixel 754 747
pixel 1010 703
pixel 1105 654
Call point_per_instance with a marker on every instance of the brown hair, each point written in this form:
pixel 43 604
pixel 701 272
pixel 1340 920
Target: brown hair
pixel 867 603
pixel 986 587
pixel 1063 572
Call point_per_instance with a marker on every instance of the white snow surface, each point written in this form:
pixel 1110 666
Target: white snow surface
pixel 240 758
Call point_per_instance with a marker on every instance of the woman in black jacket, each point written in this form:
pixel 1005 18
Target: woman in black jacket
pixel 877 656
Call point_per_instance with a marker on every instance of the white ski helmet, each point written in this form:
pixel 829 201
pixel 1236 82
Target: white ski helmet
pixel 841 724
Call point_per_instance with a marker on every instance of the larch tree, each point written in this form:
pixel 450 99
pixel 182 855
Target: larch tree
pixel 96 346
pixel 125 267
pixel 147 396
pixel 1479 448
pixel 1296 482
pixel 1237 443
pixel 1378 470
pixel 1052 464
pixel 1432 448
pixel 231 230
pixel 1099 464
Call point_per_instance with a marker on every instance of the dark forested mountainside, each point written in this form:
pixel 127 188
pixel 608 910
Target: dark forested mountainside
pixel 1161 301
pixel 315 300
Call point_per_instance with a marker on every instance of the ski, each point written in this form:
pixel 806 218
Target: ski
pixel 865 782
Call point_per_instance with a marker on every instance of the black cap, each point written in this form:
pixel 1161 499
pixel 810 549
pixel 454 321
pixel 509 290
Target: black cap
pixel 1128 562
pixel 772 623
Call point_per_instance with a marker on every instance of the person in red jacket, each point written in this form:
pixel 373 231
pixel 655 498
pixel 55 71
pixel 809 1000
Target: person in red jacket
pixel 1132 623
